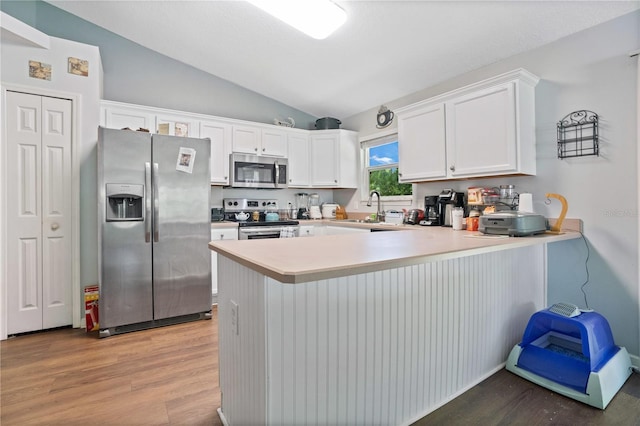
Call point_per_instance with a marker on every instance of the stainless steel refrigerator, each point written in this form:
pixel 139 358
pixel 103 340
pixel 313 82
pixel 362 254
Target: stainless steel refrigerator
pixel 154 227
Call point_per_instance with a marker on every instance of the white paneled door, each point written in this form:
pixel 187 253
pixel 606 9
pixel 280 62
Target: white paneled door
pixel 38 212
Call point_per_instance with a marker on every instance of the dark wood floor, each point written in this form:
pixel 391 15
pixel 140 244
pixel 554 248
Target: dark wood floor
pixel 507 399
pixel 169 376
pixel 163 376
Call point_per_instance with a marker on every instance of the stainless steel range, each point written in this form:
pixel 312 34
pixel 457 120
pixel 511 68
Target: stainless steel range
pixel 259 219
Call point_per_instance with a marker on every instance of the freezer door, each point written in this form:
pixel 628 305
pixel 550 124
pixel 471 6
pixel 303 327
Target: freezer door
pixel 182 226
pixel 125 256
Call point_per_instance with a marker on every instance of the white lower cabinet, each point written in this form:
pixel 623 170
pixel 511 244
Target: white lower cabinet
pixel 219 234
pixel 307 231
pixel 484 129
pixel 342 230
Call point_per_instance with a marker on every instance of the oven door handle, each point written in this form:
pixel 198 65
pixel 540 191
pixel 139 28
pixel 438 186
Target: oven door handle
pixel 261 231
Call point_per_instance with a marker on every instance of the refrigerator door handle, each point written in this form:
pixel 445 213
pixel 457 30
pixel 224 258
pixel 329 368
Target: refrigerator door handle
pixel 147 202
pixel 156 204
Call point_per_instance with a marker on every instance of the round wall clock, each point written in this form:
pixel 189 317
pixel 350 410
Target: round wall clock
pixel 384 117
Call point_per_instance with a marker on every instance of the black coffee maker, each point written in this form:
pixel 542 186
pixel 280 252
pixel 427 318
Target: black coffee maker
pixel 431 211
pixel 447 200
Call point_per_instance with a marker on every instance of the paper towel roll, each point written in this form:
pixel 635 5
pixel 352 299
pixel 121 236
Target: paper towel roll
pixel 526 203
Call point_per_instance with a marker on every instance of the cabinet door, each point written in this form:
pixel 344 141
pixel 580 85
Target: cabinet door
pixel 307 231
pixel 176 125
pixel 220 135
pixel 324 160
pixel 481 132
pixel 343 230
pixel 246 139
pixel 133 118
pixel 274 143
pixel 298 156
pixel 421 144
pixel 219 234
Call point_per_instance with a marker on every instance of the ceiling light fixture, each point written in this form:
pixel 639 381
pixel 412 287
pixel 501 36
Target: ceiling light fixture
pixel 316 18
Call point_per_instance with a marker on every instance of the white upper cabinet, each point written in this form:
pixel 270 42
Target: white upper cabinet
pixel 485 129
pixel 177 125
pixel 422 149
pixel 259 140
pixel 317 158
pixel 334 159
pixel 481 132
pixel 220 135
pixel 118 116
pixel 298 154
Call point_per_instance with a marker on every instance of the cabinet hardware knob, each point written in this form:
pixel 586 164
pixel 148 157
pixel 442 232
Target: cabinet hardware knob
pixel 335 180
pixel 255 149
pixel 55 226
pixel 452 168
pixel 263 149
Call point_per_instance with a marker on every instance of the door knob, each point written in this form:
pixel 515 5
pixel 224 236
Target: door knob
pixel 55 226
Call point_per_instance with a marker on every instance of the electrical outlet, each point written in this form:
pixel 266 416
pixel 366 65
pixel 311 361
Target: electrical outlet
pixel 234 318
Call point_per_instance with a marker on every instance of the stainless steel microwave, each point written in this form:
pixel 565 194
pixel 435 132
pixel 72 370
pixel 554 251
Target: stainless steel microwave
pixel 252 171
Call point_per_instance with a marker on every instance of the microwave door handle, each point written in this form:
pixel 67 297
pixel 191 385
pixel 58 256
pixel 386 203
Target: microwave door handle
pixel 156 204
pixel 277 174
pixel 147 203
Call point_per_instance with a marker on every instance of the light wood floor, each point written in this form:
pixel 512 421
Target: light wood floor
pixel 162 376
pixel 169 376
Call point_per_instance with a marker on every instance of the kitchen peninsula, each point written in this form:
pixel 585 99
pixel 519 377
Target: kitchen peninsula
pixel 370 328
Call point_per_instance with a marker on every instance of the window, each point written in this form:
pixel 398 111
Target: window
pixel 381 169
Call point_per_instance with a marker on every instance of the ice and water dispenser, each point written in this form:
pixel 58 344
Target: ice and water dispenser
pixel 124 202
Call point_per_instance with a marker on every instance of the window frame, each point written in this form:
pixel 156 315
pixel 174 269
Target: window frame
pixel 373 141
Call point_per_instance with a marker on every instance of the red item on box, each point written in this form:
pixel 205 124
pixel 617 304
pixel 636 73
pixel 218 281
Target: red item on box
pixel 91 295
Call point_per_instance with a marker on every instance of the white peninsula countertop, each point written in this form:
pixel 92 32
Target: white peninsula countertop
pixel 298 260
pixel 377 328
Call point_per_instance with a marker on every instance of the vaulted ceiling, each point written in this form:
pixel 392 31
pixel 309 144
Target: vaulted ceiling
pixel 386 49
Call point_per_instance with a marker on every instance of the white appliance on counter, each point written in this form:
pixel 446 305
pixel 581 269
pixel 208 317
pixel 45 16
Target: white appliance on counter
pixel 329 210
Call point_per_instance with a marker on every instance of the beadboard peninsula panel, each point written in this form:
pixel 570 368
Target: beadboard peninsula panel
pixel 385 347
pixel 243 380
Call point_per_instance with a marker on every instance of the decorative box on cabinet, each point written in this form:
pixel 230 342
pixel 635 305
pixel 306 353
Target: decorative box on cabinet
pixel 484 129
pixel 334 159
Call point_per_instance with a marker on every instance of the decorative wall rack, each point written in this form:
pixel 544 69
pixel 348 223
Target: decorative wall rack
pixel 578 134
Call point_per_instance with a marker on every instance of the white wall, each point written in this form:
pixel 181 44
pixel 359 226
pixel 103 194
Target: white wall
pixel 589 70
pixel 86 93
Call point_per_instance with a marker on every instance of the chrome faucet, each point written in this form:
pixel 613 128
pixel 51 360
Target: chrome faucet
pixel 379 214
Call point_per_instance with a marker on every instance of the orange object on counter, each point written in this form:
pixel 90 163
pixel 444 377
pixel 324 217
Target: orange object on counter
pixel 472 223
